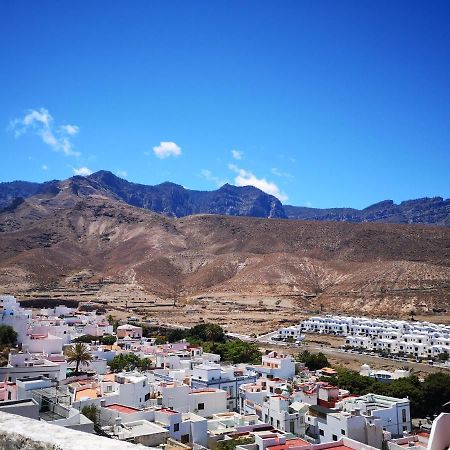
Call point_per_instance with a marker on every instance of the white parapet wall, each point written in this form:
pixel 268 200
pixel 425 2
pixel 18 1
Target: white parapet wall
pixel 22 433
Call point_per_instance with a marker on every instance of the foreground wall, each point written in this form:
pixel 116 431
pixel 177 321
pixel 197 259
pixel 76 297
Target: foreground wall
pixel 22 433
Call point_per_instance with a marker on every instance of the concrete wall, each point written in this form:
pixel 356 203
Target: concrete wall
pixel 440 433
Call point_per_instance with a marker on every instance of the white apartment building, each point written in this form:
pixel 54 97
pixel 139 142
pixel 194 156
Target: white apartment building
pixel 333 425
pixel 394 412
pixel 420 339
pixel 227 378
pixel 282 414
pixel 276 365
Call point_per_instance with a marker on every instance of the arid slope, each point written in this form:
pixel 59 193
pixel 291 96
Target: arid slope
pixel 49 241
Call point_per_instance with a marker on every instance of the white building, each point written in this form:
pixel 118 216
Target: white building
pixel 393 412
pixel 26 365
pixel 12 314
pixel 419 339
pixel 228 379
pixel 276 365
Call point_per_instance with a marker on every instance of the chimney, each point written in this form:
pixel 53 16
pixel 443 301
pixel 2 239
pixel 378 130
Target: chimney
pixel 117 425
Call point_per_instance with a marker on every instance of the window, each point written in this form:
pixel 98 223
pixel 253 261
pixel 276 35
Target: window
pixel 201 406
pixel 403 415
pixel 343 432
pixel 321 432
pixel 176 427
pixel 405 428
pixel 185 439
pixel 334 437
pixel 147 397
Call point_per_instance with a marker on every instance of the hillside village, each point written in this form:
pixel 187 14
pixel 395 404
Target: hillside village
pixel 86 372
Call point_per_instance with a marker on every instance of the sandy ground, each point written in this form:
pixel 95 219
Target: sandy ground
pixel 238 314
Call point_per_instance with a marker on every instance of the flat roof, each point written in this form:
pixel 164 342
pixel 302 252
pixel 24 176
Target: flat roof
pixel 289 444
pixel 122 408
pixel 86 393
pixel 339 447
pixel 168 411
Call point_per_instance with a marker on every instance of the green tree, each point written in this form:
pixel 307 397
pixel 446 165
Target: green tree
pixel 108 339
pixel 93 414
pixel 86 338
pixel 436 392
pixel 313 361
pixel 207 332
pixel 129 362
pixel 79 354
pixel 237 351
pixel 176 335
pixel 8 336
pixel 114 322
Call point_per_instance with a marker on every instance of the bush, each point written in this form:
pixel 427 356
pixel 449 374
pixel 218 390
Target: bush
pixel 231 444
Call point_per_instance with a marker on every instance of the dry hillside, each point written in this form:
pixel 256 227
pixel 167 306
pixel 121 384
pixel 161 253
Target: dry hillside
pixel 74 243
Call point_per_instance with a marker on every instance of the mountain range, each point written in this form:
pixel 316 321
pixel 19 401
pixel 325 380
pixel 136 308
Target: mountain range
pixel 83 227
pixel 174 200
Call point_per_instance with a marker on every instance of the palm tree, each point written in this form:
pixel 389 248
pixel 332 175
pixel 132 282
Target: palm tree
pixel 80 354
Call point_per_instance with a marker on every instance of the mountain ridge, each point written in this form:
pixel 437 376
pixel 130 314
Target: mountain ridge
pixel 172 199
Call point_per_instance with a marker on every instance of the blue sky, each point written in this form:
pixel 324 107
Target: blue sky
pixel 322 103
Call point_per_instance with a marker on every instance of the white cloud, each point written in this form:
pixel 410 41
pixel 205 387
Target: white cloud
pixel 83 171
pixel 308 204
pixel 44 167
pixel 214 179
pixel 121 173
pixel 236 154
pixel 41 123
pixel 280 173
pixel 246 178
pixel 166 149
pixel 71 130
